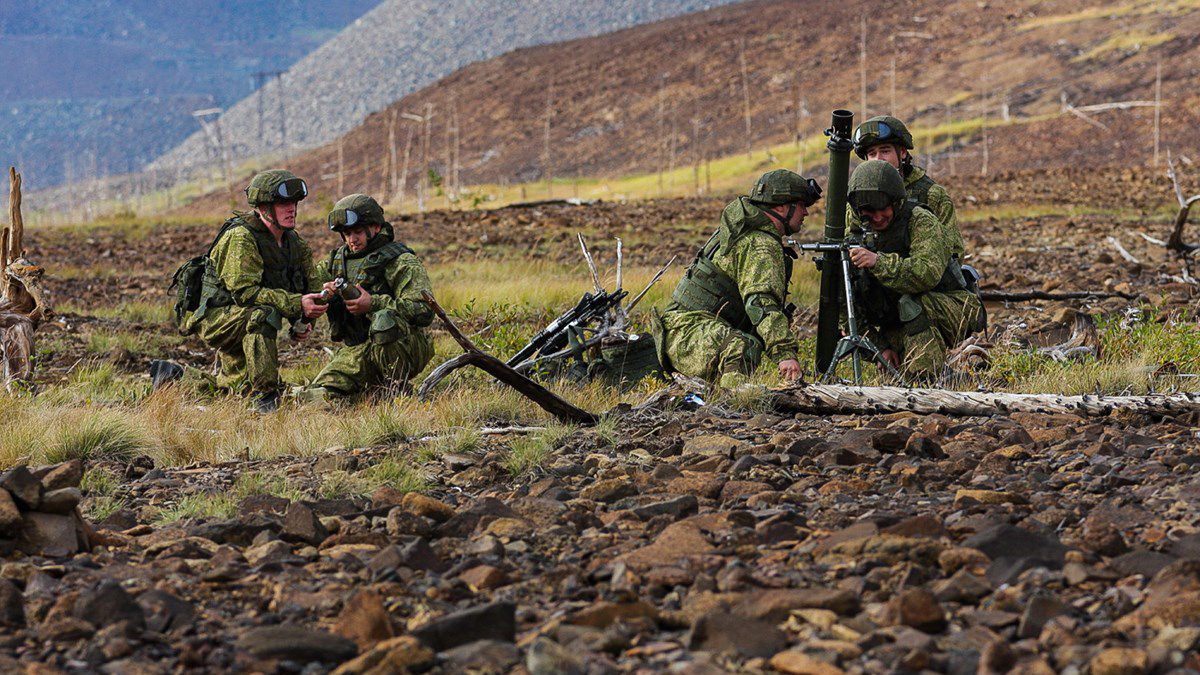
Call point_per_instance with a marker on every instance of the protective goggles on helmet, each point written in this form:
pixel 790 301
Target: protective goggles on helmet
pixel 291 190
pixel 814 193
pixel 871 133
pixel 340 219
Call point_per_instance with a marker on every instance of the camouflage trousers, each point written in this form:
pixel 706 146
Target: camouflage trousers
pixel 950 316
pixel 700 344
pixel 247 344
pixel 356 369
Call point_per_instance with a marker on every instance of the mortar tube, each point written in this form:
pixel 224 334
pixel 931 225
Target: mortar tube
pixel 829 312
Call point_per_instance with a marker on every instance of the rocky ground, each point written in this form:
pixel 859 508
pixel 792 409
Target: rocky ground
pixel 693 541
pixel 676 537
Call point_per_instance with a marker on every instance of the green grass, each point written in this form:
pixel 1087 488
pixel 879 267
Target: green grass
pixel 529 452
pixel 137 311
pixel 200 505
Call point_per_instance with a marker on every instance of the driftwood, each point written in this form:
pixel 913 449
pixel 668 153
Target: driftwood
pixel 842 399
pixel 544 398
pixel 1020 296
pixel 23 304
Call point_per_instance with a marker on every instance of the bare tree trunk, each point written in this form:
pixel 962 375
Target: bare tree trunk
pixel 22 303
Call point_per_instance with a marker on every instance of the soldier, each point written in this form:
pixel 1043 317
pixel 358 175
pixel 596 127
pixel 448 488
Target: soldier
pixel 384 329
pixel 261 273
pixel 730 307
pixel 886 138
pixel 912 295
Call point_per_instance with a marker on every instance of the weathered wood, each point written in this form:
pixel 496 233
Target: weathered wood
pixel 544 398
pixel 1175 241
pixel 1020 296
pixel 22 304
pixel 842 399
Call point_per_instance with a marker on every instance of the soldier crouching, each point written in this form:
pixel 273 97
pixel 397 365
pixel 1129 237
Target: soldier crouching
pixel 912 295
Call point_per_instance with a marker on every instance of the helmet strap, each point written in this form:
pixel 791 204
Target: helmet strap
pixel 784 220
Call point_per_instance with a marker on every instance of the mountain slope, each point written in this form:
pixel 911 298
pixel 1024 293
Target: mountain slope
pixel 403 45
pixel 103 87
pixel 631 101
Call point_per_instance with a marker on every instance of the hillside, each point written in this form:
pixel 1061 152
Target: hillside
pixel 661 95
pixel 93 88
pixel 401 46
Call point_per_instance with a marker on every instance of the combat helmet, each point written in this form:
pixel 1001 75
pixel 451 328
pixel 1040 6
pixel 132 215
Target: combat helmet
pixel 879 130
pixel 275 186
pixel 781 186
pixel 353 210
pixel 875 185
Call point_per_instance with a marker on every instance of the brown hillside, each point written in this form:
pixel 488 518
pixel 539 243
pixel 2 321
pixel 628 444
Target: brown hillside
pixel 621 101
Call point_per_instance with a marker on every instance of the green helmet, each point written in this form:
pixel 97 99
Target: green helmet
pixel 875 185
pixel 353 210
pixel 785 187
pixel 879 130
pixel 275 186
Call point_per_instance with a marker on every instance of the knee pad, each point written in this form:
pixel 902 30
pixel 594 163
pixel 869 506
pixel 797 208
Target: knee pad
pixel 912 315
pixel 265 321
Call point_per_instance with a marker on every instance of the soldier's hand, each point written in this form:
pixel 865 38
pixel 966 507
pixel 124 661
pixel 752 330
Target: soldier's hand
pixel 361 304
pixel 330 287
pixel 790 369
pixel 862 258
pixel 312 306
pixel 891 357
pixel 300 335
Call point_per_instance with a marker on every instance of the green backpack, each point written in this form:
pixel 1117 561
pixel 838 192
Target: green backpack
pixel 190 280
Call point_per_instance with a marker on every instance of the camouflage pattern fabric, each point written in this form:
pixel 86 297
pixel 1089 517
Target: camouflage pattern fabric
pixel 700 344
pixel 246 340
pixel 938 201
pixel 950 315
pixel 245 334
pixel 399 346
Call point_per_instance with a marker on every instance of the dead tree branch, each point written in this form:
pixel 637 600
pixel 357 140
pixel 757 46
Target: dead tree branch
pixel 544 398
pixel 1175 241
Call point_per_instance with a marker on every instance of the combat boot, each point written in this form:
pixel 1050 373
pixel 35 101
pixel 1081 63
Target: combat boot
pixel 164 372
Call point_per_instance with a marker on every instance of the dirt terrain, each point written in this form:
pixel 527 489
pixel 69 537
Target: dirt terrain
pixel 677 92
pixel 728 536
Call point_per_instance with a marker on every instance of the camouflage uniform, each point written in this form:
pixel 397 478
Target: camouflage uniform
pixel 263 283
pixel 255 284
pixel 390 343
pixel 915 300
pixel 729 309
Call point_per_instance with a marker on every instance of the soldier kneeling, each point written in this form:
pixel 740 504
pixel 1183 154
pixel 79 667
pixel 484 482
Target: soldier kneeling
pixel 912 294
pixel 383 322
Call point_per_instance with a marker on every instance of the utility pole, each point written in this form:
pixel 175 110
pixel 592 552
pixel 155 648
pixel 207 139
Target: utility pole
pixel 1157 106
pixel 746 101
pixel 260 82
pixel 546 169
pixel 862 67
pixel 216 143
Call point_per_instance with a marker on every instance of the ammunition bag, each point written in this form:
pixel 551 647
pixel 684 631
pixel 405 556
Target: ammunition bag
pixel 624 363
pixel 705 288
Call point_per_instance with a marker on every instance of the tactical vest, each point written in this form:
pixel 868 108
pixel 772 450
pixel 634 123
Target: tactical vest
pixel 878 303
pixel 368 270
pixel 919 190
pixel 283 263
pixel 706 288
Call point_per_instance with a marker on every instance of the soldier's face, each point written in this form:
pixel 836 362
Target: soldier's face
pixel 878 220
pixel 886 152
pixel 797 220
pixel 359 236
pixel 285 215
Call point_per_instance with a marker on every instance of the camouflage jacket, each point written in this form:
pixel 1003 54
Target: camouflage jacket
pixel 928 193
pixel 252 282
pixel 931 244
pixel 747 248
pixel 396 286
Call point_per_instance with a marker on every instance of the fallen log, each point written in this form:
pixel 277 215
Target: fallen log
pixel 843 399
pixel 543 397
pixel 1022 296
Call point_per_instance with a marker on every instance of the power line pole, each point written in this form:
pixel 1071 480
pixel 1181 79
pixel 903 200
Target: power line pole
pixel 261 78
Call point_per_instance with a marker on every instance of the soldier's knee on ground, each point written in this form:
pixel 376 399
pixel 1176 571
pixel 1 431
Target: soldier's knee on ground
pixel 265 321
pixel 740 354
pixel 924 355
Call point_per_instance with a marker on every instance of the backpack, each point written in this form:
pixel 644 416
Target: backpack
pixel 188 282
